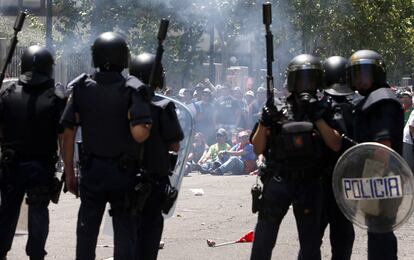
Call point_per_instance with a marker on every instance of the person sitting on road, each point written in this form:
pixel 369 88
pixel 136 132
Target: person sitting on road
pixel 211 160
pixel 198 148
pixel 242 158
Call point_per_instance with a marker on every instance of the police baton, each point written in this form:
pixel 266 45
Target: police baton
pixel 17 28
pixel 267 21
pixel 162 34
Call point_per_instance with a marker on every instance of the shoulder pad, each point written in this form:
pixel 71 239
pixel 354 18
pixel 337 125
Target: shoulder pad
pixel 160 102
pixel 78 81
pixel 378 95
pixel 134 82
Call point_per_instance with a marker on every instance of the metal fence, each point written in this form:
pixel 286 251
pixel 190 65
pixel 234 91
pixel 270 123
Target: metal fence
pixel 66 68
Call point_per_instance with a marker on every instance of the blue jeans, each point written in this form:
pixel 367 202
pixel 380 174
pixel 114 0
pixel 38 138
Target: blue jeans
pixel 233 165
pixel 278 195
pixel 35 179
pixel 103 181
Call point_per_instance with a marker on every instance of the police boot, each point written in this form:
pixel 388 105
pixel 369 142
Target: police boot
pixel 36 258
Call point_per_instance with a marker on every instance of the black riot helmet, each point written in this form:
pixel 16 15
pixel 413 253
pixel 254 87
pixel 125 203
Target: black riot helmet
pixel 366 71
pixel 36 65
pixel 110 52
pixel 335 76
pixel 141 67
pixel 304 74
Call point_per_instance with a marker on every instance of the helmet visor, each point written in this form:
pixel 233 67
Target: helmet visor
pixel 361 76
pixel 302 81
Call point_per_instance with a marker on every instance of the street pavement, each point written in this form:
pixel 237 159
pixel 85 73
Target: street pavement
pixel 221 211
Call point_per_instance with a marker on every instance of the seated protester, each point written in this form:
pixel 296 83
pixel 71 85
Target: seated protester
pixel 198 148
pixel 242 158
pixel 211 160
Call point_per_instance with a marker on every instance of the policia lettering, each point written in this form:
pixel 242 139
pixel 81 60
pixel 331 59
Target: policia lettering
pixel 372 188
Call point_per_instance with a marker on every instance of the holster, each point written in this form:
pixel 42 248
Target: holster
pixel 171 194
pixel 135 200
pixel 256 192
pixel 56 189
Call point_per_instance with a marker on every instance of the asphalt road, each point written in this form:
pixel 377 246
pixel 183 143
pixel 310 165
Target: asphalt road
pixel 222 214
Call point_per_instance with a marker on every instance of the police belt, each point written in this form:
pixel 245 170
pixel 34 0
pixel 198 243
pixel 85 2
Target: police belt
pixel 125 161
pixel 304 174
pixel 11 156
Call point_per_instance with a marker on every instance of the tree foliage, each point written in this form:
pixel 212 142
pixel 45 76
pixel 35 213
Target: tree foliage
pixel 321 27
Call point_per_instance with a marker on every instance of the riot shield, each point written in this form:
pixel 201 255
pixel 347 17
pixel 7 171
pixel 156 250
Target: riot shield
pixel 373 186
pixel 187 124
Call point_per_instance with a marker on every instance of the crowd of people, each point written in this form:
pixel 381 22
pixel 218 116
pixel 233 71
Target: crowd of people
pixel 129 136
pixel 224 117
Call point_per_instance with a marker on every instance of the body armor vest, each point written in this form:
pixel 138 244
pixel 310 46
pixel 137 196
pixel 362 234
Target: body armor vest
pixel 103 111
pixel 295 145
pixel 30 120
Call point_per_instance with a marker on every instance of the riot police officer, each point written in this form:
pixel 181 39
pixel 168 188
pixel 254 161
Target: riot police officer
pixel 293 141
pixel 379 117
pixel 164 138
pixel 29 123
pixel 339 97
pixel 113 113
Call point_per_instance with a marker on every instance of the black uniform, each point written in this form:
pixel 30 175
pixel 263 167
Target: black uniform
pixel 293 155
pixel 108 165
pixel 341 230
pixel 339 97
pixel 165 130
pixel 156 159
pixel 29 124
pixel 30 134
pixel 380 116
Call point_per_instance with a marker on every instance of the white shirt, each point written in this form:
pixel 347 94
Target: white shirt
pixel 406 136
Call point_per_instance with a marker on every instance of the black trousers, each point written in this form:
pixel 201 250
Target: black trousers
pixel 382 246
pixel 33 178
pixel 104 182
pixel 341 230
pixel 278 195
pixel 151 222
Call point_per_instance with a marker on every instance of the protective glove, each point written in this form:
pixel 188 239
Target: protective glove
pixel 270 115
pixel 316 109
